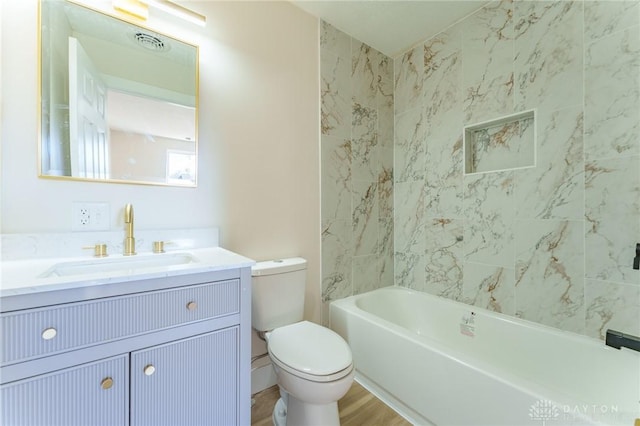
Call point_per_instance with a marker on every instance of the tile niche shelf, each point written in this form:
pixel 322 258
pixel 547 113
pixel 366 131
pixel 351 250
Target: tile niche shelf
pixel 501 144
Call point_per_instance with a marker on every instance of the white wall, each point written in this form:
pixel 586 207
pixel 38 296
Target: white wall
pixel 258 132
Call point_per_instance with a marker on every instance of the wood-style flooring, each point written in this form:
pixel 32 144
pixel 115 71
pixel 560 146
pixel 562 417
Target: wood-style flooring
pixel 357 408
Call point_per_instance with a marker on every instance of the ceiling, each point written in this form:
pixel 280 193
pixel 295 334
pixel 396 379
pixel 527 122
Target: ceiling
pixel 147 116
pixel 390 26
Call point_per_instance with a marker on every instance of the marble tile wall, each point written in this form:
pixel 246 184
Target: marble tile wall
pixel 357 126
pixel 552 243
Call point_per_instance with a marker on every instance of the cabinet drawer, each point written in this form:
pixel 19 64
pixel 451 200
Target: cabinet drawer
pixel 38 332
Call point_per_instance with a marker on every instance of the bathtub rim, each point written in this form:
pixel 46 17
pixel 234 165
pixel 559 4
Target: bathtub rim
pixel 352 301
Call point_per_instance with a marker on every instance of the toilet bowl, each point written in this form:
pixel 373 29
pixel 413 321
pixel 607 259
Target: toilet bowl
pixel 314 367
pixel 313 364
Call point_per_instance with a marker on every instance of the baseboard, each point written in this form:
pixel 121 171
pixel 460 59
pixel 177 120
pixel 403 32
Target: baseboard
pixel 262 378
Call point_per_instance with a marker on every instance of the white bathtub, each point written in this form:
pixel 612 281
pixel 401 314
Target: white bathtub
pixel 441 362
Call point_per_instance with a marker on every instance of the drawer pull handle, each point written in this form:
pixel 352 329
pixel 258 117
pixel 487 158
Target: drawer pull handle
pixel 106 383
pixel 192 306
pixel 49 333
pixel 149 370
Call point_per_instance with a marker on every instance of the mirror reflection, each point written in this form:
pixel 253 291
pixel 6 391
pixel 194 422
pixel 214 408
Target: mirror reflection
pixel 118 101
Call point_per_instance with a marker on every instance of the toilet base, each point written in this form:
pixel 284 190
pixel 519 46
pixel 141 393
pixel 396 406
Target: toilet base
pixel 299 413
pixel 279 416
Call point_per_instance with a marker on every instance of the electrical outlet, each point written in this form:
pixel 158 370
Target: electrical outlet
pixel 90 216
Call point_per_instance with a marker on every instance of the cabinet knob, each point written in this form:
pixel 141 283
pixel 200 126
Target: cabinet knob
pixel 192 306
pixel 106 383
pixel 49 333
pixel 149 370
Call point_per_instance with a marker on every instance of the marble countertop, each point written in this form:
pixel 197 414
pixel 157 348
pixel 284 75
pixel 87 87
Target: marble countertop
pixel 29 276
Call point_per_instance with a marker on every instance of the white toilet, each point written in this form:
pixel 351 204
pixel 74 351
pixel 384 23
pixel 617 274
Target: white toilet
pixel 313 364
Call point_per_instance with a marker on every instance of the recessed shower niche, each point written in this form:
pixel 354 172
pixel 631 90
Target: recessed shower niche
pixel 501 144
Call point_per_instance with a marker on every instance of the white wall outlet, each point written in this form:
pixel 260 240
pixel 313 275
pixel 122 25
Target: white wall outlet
pixel 90 216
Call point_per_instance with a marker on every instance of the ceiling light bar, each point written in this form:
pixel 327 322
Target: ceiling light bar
pixel 177 10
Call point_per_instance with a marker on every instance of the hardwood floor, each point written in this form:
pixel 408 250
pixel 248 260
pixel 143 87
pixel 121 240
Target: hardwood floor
pixel 358 407
pixel 263 407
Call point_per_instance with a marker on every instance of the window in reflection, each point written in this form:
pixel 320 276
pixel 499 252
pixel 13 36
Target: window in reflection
pixel 181 167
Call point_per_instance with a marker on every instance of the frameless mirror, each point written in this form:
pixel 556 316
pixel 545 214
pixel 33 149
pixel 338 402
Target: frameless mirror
pixel 118 101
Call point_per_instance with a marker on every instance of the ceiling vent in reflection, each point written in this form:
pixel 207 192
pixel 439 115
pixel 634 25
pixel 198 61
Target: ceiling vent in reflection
pixel 150 42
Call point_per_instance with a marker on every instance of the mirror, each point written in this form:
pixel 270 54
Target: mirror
pixel 118 101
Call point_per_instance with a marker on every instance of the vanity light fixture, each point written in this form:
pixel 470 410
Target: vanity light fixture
pixel 177 10
pixel 134 8
pixel 140 9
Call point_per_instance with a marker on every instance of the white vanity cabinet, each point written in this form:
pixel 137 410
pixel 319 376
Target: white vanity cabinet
pixel 163 351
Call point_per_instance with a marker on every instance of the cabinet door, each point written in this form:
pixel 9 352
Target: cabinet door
pixel 90 394
pixel 188 382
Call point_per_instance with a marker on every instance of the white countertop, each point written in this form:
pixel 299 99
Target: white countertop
pixel 22 277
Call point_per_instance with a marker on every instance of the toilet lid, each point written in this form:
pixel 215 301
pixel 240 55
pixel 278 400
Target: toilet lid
pixel 310 348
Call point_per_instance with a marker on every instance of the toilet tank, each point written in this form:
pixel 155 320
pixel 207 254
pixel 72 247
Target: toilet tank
pixel 277 292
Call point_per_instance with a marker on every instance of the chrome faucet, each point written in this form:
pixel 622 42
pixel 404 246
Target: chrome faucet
pixel 129 240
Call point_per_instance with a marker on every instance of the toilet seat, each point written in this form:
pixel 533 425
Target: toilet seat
pixel 310 351
pixel 312 377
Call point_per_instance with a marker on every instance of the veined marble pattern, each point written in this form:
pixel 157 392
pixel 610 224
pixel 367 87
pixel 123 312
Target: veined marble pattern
pixel 384 99
pixel 444 175
pixel 409 69
pixel 506 146
pixel 489 287
pixel 576 64
pixel 612 306
pixel 385 184
pixel 409 217
pixel 612 96
pixel 385 67
pixel 409 148
pixel 364 74
pixel 443 113
pixel 548 46
pixel 364 146
pixel 550 273
pixel 603 18
pixel 385 241
pixel 334 41
pixel 554 189
pixel 357 166
pixel 336 178
pixel 489 218
pixel 442 73
pixel 365 274
pixel 336 260
pixel 365 218
pixel 443 271
pixel 612 211
pixel 488 62
pixel 335 96
pixel 409 270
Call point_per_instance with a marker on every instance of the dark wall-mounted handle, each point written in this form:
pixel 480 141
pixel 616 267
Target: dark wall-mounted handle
pixel 636 260
pixel 618 340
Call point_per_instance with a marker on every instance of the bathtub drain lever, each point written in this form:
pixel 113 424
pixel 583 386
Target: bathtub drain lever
pixel 618 340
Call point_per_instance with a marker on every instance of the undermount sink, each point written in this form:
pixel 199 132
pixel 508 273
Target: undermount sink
pixel 127 263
